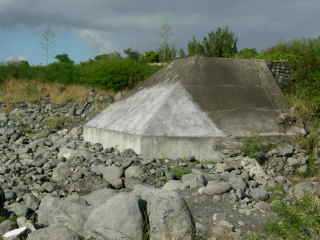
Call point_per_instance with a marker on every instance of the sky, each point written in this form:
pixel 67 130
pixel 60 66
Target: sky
pixel 85 28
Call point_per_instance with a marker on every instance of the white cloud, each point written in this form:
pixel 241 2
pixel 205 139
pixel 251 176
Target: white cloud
pixel 13 59
pixel 98 40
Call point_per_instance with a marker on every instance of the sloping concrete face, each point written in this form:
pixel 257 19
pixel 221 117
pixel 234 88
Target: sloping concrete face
pixel 183 109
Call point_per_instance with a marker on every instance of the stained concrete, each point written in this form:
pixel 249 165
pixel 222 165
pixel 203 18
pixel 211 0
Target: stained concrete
pixel 187 107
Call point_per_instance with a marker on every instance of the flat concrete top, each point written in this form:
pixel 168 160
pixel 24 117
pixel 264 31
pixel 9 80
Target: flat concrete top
pixel 200 97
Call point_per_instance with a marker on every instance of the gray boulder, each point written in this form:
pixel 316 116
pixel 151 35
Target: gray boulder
pixel 215 188
pixel 194 180
pixel 174 185
pixel 31 201
pixel 134 172
pixel 53 233
pixel 119 218
pixel 19 209
pixel 113 175
pixel 169 215
pixel 259 194
pixel 237 183
pixel 99 197
pixel 62 172
pixel 54 211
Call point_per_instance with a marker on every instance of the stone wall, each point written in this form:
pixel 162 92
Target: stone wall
pixel 281 71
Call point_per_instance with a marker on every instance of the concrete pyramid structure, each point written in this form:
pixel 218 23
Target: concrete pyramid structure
pixel 192 107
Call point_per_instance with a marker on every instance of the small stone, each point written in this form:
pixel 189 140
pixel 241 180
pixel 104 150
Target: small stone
pixel 263 207
pixel 215 188
pixel 259 194
pixel 10 196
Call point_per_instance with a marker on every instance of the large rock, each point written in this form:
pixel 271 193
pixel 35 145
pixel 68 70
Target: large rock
pixel 62 172
pixel 215 188
pixel 53 233
pixel 134 172
pixel 99 197
pixel 54 211
pixel 113 175
pixel 119 218
pixel 174 185
pixel 259 194
pixel 194 180
pixel 169 215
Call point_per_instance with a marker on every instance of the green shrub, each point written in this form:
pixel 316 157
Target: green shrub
pixel 219 43
pixel 178 172
pixel 109 71
pixel 115 74
pixel 297 220
pixel 254 146
pixel 247 53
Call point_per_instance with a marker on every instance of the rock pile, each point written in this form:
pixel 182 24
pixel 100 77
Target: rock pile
pixel 59 187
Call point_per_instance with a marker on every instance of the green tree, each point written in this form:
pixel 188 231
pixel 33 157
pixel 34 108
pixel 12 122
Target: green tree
pixel 151 57
pixel 167 53
pixel 195 47
pixel 247 53
pixel 221 43
pixel 63 58
pixel 63 70
pixel 132 54
pixel 108 56
pixel 182 54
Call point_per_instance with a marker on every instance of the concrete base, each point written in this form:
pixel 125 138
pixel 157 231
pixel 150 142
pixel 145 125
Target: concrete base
pixel 203 149
pixel 156 147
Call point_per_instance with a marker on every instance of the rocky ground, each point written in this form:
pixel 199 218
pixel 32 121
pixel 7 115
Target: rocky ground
pixel 56 186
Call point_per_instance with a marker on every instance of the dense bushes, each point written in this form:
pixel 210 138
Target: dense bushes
pixel 299 219
pixel 114 73
pixel 219 43
pixel 304 58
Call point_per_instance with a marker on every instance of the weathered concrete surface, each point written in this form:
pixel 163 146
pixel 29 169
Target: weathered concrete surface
pixel 185 107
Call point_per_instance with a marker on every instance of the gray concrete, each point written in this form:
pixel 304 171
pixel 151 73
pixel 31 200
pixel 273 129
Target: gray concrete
pixel 186 107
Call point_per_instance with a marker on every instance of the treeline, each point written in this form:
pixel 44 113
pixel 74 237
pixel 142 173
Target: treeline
pixel 119 71
pixel 110 71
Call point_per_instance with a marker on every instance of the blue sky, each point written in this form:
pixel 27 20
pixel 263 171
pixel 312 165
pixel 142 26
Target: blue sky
pixel 26 43
pixel 85 28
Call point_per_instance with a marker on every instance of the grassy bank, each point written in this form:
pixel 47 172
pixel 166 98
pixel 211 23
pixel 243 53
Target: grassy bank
pixel 16 91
